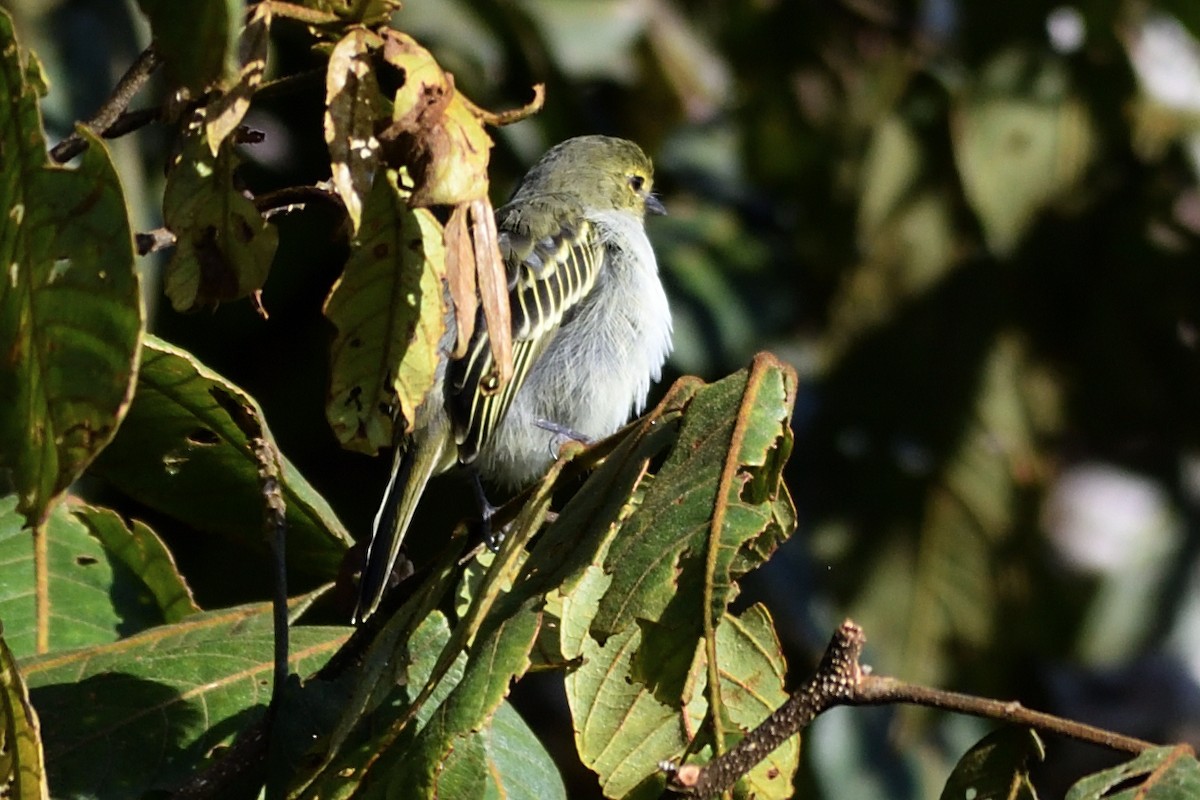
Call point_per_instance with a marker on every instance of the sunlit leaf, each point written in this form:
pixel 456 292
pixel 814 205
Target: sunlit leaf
pixel 1018 148
pixel 22 766
pixel 225 113
pixel 752 672
pixel 416 768
pixel 390 312
pixel 91 597
pixel 675 559
pixel 1164 773
pixel 622 731
pixel 353 109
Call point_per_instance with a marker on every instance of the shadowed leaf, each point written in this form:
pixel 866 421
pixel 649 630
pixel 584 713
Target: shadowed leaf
pixel 182 454
pixel 224 246
pixel 70 312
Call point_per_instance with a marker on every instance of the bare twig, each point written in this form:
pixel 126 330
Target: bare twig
pixel 840 680
pixel 296 196
pixel 111 110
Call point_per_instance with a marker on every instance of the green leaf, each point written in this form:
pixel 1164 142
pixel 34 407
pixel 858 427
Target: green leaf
pixel 924 596
pixel 354 106
pixel 22 766
pixel 890 170
pixel 197 39
pixel 1019 147
pixel 70 311
pixel 181 453
pixel 752 669
pixel 160 704
pixel 621 731
pixel 224 247
pixel 1164 773
pixel 517 764
pixel 390 312
pixel 91 597
pixel 997 768
pixel 709 515
pixel 384 684
pixel 492 663
pixel 140 549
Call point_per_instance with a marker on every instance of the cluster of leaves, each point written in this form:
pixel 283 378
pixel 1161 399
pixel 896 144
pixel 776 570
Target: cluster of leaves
pixel 117 682
pixel 978 249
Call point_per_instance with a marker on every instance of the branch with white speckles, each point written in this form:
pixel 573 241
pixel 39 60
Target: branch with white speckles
pixel 841 680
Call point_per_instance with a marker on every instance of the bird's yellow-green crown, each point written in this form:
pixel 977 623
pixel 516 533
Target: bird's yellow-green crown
pixel 599 172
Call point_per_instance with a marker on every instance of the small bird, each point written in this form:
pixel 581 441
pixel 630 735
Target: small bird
pixel 591 330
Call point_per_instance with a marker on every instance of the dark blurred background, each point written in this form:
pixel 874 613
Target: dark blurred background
pixel 973 228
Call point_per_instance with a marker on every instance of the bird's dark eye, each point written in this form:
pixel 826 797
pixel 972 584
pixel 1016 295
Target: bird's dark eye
pixel 636 182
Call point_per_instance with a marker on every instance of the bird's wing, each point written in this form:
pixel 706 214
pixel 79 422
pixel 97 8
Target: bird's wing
pixel 552 255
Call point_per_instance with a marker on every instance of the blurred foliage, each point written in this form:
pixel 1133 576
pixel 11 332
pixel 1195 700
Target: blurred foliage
pixel 972 228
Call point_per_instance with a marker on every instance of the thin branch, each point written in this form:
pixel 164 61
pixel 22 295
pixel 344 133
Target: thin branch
pixel 841 680
pixel 883 690
pixel 293 196
pixel 111 110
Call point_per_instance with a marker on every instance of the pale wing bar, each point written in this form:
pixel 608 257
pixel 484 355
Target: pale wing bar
pixel 552 276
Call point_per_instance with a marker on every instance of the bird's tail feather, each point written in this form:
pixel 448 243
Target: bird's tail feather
pixel 412 467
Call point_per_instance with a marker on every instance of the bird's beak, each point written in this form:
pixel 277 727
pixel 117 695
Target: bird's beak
pixel 654 205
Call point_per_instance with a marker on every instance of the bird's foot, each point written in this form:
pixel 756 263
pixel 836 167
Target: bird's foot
pixel 562 435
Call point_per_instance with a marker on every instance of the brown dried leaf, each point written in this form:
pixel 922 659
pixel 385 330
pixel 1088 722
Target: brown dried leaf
pixel 460 275
pixel 493 284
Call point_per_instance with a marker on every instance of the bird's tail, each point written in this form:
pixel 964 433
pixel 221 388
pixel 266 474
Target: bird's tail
pixel 412 467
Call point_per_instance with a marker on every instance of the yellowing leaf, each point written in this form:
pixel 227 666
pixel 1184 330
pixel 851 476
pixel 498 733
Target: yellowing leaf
pixel 226 112
pixel 390 312
pixel 353 104
pixel 23 775
pixel 224 246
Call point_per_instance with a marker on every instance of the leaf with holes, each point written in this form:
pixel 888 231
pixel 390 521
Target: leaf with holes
pixel 224 247
pixel 354 106
pixel 182 453
pixel 90 595
pixel 225 113
pixel 390 312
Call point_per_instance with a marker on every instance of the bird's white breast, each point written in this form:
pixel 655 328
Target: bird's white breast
pixel 598 368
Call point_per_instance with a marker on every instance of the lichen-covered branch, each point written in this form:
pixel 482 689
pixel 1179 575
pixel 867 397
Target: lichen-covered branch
pixel 840 680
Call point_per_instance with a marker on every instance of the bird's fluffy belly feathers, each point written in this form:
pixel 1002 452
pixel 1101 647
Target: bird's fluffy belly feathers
pixel 597 369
